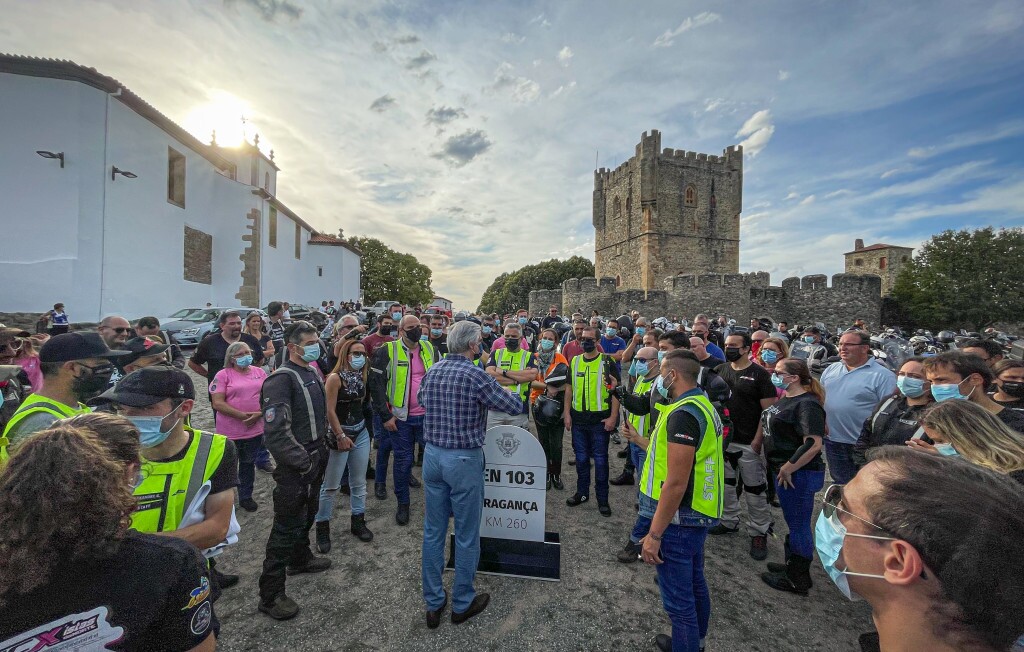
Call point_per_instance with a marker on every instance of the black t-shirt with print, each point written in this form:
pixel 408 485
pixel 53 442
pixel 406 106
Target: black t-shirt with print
pixel 213 348
pixel 153 593
pixel 788 423
pixel 749 386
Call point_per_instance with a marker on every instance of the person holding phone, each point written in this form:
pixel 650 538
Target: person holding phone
pixel 791 432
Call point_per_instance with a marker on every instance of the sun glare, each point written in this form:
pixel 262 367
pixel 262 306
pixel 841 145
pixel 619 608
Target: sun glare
pixel 224 113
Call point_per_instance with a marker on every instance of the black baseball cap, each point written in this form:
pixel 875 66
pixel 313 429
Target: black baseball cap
pixel 140 347
pixel 76 346
pixel 147 386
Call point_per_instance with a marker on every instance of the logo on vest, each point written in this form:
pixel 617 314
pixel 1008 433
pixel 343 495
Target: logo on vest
pixel 508 444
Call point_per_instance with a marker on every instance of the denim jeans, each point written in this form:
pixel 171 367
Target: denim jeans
pixel 247 450
pixel 684 591
pixel 840 461
pixel 409 432
pixel 798 506
pixel 384 448
pixel 638 456
pixel 355 460
pixel 453 480
pixel 640 529
pixel 591 441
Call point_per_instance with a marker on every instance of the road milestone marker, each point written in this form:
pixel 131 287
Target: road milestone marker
pixel 513 539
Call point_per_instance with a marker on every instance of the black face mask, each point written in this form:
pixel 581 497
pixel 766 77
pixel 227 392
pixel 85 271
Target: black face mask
pixel 92 382
pixel 511 343
pixel 1014 389
pixel 589 346
pixel 384 330
pixel 732 354
pixel 413 334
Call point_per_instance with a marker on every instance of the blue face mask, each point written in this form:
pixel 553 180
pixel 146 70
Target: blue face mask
pixel 770 356
pixel 661 355
pixel 829 534
pixel 910 387
pixel 779 382
pixel 809 339
pixel 641 369
pixel 522 321
pixel 632 368
pixel 244 361
pixel 946 450
pixel 424 338
pixel 310 352
pixel 659 385
pixel 358 361
pixel 610 332
pixel 487 330
pixel 950 391
pixel 641 331
pixel 547 345
pixel 150 433
pixel 396 316
pixel 436 332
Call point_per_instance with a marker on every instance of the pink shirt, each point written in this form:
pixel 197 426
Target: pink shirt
pixel 30 364
pixel 500 344
pixel 242 392
pixel 418 371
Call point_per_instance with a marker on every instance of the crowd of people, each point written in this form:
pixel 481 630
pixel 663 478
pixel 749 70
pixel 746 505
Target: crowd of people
pixel 108 490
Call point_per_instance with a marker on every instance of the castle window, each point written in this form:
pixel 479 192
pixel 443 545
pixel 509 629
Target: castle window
pixel 618 207
pixel 858 262
pixel 713 202
pixel 618 280
pixel 882 262
pixel 629 203
pixel 690 196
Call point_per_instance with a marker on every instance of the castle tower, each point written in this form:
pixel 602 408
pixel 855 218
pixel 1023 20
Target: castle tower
pixel 884 260
pixel 667 212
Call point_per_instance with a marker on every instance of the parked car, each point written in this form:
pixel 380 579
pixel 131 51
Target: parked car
pixel 298 311
pixel 181 314
pixel 191 330
pixel 381 307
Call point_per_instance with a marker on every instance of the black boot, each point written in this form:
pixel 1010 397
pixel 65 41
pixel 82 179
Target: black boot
pixel 323 536
pixel 775 567
pixel 624 479
pixel 371 473
pixel 556 481
pixel 796 579
pixel 548 484
pixel 359 528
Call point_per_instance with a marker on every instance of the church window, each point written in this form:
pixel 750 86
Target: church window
pixel 175 177
pixel 690 196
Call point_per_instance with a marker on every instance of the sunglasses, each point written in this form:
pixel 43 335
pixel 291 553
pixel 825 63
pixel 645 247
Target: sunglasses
pixel 639 359
pixel 120 330
pixel 13 345
pixel 587 339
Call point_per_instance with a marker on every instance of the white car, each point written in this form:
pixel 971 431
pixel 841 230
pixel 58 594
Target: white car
pixel 181 314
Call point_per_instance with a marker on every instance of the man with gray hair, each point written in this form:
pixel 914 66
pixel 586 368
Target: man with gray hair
pixel 456 395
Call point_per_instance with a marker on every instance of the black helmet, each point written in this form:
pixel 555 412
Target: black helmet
pixel 558 376
pixel 946 337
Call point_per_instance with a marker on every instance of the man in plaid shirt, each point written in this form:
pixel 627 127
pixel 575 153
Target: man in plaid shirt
pixel 456 395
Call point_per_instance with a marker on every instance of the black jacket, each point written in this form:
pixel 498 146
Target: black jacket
pixel 892 423
pixel 289 435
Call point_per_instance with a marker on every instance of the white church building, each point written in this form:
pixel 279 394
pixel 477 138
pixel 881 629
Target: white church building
pixel 112 208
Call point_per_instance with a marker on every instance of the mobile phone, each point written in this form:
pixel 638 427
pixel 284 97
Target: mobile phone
pixel 923 437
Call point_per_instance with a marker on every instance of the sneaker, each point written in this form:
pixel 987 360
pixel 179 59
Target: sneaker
pixel 723 529
pixel 281 608
pixel 248 504
pixel 759 547
pixel 478 604
pixel 605 509
pixel 629 554
pixel 380 490
pixel 314 565
pixel 616 438
pixel 413 482
pixel 224 581
pixel 624 479
pixel 556 482
pixel 576 499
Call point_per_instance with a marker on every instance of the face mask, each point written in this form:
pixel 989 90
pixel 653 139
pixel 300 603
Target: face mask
pixel 632 369
pixel 950 391
pixel 1014 389
pixel 589 346
pixel 641 331
pixel 150 433
pixel 91 382
pixel 413 335
pixel 423 337
pixel 610 332
pixel 732 354
pixel 384 331
pixel 778 382
pixel 511 343
pixel 662 389
pixel 641 369
pixel 946 450
pixel 829 534
pixel 910 387
pixel 661 355
pixel 770 356
pixel 436 332
pixel 244 361
pixel 487 330
pixel 396 316
pixel 310 352
pixel 809 339
pixel 547 345
pixel 358 362
pixel 522 321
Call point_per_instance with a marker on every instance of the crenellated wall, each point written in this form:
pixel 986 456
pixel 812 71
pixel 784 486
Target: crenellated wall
pixel 739 296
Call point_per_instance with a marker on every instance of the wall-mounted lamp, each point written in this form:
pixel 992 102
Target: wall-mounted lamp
pixel 114 171
pixel 57 155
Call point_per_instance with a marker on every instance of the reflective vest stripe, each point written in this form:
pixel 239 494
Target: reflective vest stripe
pixel 34 404
pixel 642 421
pixel 505 359
pixel 589 393
pixel 398 369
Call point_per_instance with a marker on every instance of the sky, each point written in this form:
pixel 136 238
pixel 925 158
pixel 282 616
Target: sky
pixel 467 132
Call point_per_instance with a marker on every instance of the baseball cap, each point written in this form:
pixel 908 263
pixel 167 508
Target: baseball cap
pixel 147 386
pixel 76 346
pixel 140 347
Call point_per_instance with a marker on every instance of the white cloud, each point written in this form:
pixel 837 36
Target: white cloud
pixel 783 75
pixel 565 55
pixel 806 201
pixel 700 20
pixel 1000 132
pixel 893 172
pixel 513 38
pixel 842 192
pixel 566 88
pixel 540 20
pixel 792 195
pixel 522 89
pixel 757 131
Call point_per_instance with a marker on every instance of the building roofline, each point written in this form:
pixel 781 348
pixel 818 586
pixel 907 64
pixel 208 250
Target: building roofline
pixel 280 206
pixel 877 247
pixel 71 71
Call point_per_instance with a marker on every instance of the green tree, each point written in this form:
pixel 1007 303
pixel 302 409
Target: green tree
pixel 510 291
pixel 965 279
pixel 389 275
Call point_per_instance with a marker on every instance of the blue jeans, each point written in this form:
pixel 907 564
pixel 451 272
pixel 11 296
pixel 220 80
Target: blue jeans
pixel 454 484
pixel 383 450
pixel 684 591
pixel 409 432
pixel 637 456
pixel 247 450
pixel 591 441
pixel 355 460
pixel 840 461
pixel 798 506
pixel 640 529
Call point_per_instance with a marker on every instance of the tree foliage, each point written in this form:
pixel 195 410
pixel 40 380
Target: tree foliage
pixel 965 279
pixel 511 290
pixel 388 275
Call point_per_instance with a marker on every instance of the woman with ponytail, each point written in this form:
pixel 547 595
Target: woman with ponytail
pixel 791 432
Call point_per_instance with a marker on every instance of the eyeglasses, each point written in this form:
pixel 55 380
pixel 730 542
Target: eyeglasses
pixel 121 330
pixel 583 340
pixel 639 359
pixel 850 345
pixel 830 505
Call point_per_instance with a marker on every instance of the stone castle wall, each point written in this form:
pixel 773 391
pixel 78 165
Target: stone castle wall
pixel 739 296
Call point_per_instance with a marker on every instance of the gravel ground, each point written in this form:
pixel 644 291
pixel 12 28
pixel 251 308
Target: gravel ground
pixel 370 598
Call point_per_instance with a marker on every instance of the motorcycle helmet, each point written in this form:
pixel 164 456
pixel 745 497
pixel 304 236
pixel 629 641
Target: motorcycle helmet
pixel 558 376
pixel 946 337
